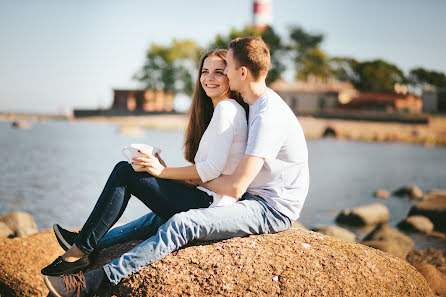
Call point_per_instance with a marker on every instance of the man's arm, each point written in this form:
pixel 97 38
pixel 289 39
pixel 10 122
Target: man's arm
pixel 235 185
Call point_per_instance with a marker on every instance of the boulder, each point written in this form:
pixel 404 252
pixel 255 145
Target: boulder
pixel 372 214
pixel 383 194
pixel 434 209
pixel 434 194
pixel 417 224
pixel 389 247
pixel 434 277
pixel 337 232
pixel 385 233
pixel 409 192
pixel 5 231
pixel 21 223
pixel 291 263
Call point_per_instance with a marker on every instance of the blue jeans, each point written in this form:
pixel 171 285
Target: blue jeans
pixel 164 197
pixel 249 215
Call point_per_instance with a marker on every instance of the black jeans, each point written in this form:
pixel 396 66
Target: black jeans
pixel 163 196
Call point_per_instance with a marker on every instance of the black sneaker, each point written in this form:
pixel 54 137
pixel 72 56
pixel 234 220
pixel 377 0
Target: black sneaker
pixel 67 285
pixel 60 266
pixel 64 237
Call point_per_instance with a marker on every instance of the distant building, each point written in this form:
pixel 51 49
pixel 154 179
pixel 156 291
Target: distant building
pixel 434 100
pixel 142 100
pixel 387 102
pixel 314 96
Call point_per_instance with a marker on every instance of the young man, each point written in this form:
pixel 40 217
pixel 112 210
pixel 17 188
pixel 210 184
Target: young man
pixel 272 180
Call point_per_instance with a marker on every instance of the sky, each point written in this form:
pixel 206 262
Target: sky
pixel 59 55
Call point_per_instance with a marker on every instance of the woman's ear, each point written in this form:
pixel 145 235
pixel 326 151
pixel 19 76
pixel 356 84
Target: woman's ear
pixel 244 72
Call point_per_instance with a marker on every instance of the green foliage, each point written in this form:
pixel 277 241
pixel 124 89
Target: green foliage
pixel 174 67
pixel 309 59
pixel 378 76
pixel 170 68
pixel 314 63
pixel 370 76
pixel 420 77
pixel 274 41
pixel 302 41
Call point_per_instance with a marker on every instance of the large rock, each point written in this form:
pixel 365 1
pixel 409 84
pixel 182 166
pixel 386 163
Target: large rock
pixel 434 209
pixel 417 224
pixel 291 263
pixel 337 232
pixel 372 214
pixel 21 223
pixel 390 238
pixel 434 277
pixel 434 194
pixel 409 192
pixel 5 231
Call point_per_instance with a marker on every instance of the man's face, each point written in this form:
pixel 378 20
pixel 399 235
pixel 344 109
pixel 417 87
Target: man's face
pixel 233 72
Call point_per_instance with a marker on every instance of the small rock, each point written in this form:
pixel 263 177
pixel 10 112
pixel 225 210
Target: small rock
pixel 434 277
pixel 365 215
pixel 410 192
pixel 434 209
pixel 21 124
pixel 417 224
pixel 383 194
pixel 337 232
pixel 385 233
pixel 133 131
pixel 5 231
pixel 21 223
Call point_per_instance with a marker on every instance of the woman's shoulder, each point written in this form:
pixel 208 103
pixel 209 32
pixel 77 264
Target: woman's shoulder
pixel 229 105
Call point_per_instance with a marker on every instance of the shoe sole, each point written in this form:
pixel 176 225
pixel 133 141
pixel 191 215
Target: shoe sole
pixel 50 287
pixel 62 242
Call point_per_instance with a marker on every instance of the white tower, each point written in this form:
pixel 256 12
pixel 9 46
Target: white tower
pixel 262 12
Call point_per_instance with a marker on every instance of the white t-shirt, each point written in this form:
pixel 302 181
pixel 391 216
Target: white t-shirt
pixel 276 135
pixel 222 146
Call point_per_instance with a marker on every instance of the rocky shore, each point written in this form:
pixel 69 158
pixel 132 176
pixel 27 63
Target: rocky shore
pixel 328 261
pixel 431 134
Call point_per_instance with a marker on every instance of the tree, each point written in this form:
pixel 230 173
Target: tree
pixel 314 64
pixel 378 76
pixel 274 41
pixel 420 77
pixel 344 69
pixel 170 68
pixel 369 76
pixel 309 59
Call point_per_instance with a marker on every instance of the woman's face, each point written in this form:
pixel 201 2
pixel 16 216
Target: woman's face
pixel 213 80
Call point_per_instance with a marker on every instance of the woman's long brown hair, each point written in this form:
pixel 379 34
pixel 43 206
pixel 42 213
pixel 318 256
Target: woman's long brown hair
pixel 201 110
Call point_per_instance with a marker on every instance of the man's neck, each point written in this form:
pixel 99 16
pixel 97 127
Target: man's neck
pixel 253 91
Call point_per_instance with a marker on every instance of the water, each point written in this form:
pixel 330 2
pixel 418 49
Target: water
pixel 56 170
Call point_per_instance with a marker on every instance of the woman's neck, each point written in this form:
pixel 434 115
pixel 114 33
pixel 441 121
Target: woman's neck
pixel 215 101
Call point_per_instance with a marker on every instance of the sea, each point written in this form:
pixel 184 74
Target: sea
pixel 56 170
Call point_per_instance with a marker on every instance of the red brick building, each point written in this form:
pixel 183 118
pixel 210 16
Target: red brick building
pixel 142 100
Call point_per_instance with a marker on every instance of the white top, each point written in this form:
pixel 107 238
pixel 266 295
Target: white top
pixel 222 146
pixel 275 134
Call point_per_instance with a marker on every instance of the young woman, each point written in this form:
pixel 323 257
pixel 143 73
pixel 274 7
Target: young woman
pixel 215 142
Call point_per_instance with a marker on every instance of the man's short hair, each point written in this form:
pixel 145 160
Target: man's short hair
pixel 253 53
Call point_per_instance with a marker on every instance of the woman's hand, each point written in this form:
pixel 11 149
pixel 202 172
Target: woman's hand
pixel 150 164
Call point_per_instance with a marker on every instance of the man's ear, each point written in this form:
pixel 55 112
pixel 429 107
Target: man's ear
pixel 244 72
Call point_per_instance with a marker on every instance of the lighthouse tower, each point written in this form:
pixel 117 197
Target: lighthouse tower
pixel 262 12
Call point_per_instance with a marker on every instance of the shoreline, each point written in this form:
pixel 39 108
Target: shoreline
pixel 430 135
